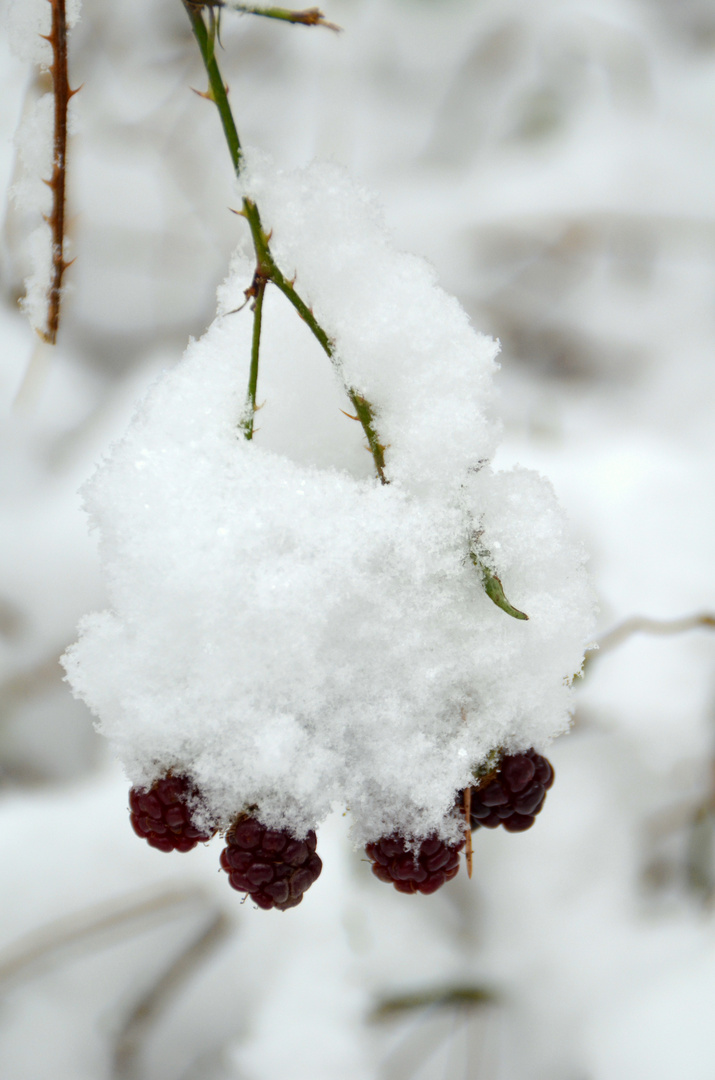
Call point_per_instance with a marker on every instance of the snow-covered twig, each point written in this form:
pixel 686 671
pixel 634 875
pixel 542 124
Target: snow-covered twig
pixel 21 959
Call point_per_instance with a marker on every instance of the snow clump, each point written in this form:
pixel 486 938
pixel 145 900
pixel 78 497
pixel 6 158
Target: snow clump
pixel 284 628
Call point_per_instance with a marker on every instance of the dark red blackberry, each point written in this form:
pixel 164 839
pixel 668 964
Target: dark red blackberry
pixel 162 817
pixel 270 865
pixel 425 870
pixel 516 794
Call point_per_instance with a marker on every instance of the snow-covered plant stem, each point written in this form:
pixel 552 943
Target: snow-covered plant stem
pixel 266 268
pixel 56 219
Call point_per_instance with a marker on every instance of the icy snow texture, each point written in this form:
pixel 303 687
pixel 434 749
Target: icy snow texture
pixel 297 636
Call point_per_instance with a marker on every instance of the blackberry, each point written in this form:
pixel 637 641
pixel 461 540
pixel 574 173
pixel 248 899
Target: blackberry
pixel 270 865
pixel 515 795
pixel 162 817
pixel 425 870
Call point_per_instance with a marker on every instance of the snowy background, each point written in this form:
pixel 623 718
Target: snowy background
pixel 555 161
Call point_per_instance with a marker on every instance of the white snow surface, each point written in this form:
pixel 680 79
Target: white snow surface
pixel 298 636
pixel 27 20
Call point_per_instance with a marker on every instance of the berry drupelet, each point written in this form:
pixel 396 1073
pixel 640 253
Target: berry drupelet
pixel 515 795
pixel 161 814
pixel 270 865
pixel 424 870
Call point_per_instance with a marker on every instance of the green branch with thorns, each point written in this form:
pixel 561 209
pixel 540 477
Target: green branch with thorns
pixel 267 271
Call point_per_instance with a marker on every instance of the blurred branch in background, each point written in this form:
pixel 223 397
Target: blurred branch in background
pixel 104 925
pixel 138 1026
pixel 448 1031
pixel 641 624
pixel 96 925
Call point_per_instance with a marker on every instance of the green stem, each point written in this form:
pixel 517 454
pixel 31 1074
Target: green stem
pixel 217 88
pixel 364 411
pixel 251 407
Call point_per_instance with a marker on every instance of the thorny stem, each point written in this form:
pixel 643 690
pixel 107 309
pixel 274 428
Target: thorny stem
pixel 217 88
pixel 56 220
pixel 266 266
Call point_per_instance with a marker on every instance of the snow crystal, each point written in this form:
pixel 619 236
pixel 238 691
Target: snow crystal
pixel 291 632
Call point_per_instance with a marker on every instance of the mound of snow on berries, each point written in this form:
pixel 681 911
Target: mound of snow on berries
pixel 296 636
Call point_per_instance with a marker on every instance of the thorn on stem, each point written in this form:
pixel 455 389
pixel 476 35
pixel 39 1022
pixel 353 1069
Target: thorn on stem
pixel 207 95
pixel 236 310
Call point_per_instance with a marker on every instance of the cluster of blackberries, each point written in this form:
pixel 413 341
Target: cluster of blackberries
pixel 275 868
pixel 512 796
pixel 269 865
